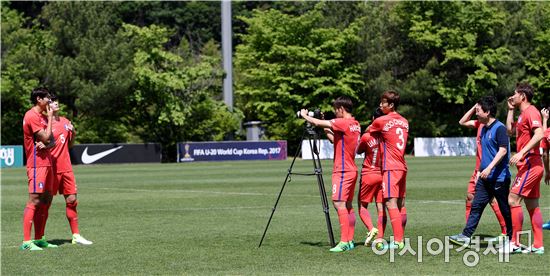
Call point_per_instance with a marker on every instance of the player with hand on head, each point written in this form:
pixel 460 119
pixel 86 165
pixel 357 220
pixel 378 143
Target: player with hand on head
pixel 370 184
pixel 65 183
pixel 37 128
pixel 466 121
pixel 344 132
pixel 545 145
pixel 526 186
pixel 494 174
pixel 393 131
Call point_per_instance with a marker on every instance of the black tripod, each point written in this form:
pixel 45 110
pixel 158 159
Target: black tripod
pixel 313 138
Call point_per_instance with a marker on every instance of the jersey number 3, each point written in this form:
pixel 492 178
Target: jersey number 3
pixel 400 145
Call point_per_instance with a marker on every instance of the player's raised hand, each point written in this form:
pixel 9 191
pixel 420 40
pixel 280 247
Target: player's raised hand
pixel 39 145
pixel 49 111
pixel 510 103
pixel 545 113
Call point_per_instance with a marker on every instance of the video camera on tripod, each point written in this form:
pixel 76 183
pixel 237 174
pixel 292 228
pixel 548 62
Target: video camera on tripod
pixel 311 134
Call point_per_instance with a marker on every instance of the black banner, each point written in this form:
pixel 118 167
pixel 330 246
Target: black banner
pixel 115 153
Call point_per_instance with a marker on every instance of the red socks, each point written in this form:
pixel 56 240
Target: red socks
pixel 351 220
pixel 403 212
pixel 28 216
pixel 72 216
pixel 536 224
pixel 517 222
pixel 346 217
pixel 39 219
pixel 343 218
pixel 396 224
pixel 468 209
pixel 365 217
pixel 499 216
pixel 382 220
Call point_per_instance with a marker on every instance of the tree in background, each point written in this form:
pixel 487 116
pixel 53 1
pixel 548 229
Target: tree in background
pixel 288 62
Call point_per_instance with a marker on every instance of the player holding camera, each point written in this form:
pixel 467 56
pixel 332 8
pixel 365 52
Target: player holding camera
pixel 343 132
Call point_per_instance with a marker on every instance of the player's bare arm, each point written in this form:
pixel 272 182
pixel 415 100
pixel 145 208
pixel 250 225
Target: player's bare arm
pixel 466 119
pixel 537 136
pixel 502 151
pixel 510 118
pixel 46 136
pixel 545 113
pixel 314 121
pixel 330 134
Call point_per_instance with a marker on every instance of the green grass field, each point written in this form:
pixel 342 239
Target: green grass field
pixel 207 218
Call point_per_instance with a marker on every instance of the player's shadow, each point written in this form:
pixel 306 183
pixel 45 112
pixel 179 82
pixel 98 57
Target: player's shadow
pixel 59 242
pixel 316 244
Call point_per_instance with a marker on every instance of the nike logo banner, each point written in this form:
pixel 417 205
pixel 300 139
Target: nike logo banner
pixel 116 153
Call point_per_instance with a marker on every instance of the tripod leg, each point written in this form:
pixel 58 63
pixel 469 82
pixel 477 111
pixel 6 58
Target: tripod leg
pixel 322 192
pixel 281 192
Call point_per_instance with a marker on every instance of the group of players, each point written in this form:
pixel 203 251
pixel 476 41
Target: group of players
pixel 384 170
pixel 47 137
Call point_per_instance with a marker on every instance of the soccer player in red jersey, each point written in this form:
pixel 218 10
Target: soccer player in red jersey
pixel 65 182
pixel 526 186
pixel 344 132
pixel 393 131
pixel 370 184
pixel 37 127
pixel 545 145
pixel 467 122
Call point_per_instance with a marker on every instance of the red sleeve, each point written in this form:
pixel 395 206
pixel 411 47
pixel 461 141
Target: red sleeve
pixel 544 143
pixel 534 119
pixel 477 124
pixel 362 147
pixel 376 126
pixel 34 124
pixel 338 125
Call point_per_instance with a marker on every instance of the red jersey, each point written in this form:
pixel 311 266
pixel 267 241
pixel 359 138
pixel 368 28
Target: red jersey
pixel 528 121
pixel 346 138
pixel 370 146
pixel 60 152
pixel 545 142
pixel 394 131
pixel 33 122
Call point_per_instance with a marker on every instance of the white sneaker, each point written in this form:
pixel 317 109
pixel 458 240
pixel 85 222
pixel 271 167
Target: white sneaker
pixel 370 236
pixel 533 250
pixel 510 248
pixel 78 239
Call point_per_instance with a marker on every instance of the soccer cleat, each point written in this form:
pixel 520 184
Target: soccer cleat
pixel 351 245
pixel 43 243
pixel 533 250
pixel 78 239
pixel 460 239
pixel 546 226
pixel 29 245
pixel 342 246
pixel 510 248
pixel 394 245
pixel 370 236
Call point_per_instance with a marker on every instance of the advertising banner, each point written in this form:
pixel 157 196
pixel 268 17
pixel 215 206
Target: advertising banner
pixel 231 150
pixel 445 146
pixel 325 147
pixel 11 156
pixel 116 153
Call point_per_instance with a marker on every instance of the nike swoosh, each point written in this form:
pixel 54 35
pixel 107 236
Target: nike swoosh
pixel 88 159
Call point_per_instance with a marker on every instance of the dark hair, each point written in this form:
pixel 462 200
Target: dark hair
pixel 53 97
pixel 526 89
pixel 391 97
pixel 377 113
pixel 344 102
pixel 40 92
pixel 488 104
